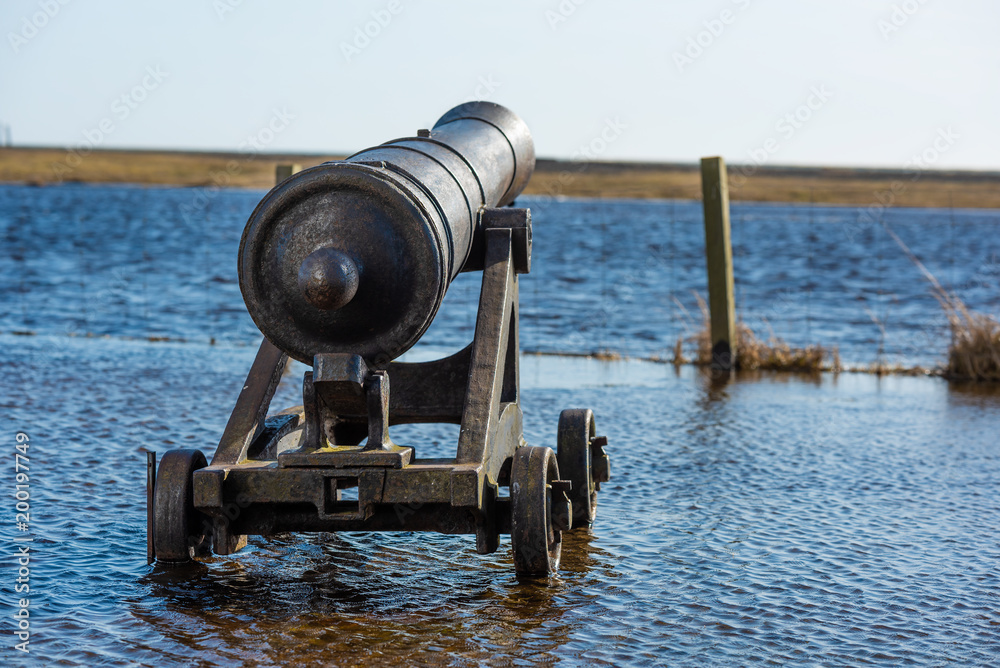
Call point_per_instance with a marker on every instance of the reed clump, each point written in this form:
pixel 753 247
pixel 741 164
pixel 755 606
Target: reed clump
pixel 974 350
pixel 771 354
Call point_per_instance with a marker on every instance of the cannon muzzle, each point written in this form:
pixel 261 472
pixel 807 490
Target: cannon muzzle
pixel 355 256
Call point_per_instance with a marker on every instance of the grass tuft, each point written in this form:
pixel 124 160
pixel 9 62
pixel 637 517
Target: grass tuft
pixel 772 354
pixel 974 350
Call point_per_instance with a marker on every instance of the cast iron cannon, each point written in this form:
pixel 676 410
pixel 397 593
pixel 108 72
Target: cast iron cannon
pixel 343 267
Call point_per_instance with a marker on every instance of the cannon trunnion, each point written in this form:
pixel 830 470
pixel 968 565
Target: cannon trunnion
pixel 343 266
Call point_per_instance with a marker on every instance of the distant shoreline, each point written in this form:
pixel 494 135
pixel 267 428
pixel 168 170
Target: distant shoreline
pixel 819 185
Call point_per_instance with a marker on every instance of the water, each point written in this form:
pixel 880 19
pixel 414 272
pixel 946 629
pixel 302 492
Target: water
pixel 777 519
pixel 618 275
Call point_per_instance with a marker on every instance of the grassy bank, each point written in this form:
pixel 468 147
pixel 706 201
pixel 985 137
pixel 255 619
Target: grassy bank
pixel 863 187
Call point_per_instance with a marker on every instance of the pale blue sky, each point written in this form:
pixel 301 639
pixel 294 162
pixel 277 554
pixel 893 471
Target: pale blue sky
pixel 885 78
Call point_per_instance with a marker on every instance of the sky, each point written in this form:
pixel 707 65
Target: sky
pixel 868 83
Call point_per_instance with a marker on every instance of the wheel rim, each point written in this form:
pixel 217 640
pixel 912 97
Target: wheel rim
pixel 536 543
pixel 576 429
pixel 177 526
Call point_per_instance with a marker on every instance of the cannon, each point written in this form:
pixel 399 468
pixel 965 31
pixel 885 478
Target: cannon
pixel 343 266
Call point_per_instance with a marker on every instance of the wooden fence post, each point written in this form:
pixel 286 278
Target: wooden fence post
pixel 283 171
pixel 719 254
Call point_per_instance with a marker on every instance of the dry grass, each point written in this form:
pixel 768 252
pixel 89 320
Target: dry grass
pixel 880 368
pixel 767 184
pixel 772 354
pixel 974 350
pixel 679 352
pixel 552 177
pixel 604 355
pixel 39 166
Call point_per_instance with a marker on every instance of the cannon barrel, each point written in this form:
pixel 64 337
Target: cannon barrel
pixel 355 256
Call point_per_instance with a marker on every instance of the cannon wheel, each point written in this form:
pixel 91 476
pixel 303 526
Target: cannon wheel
pixel 536 543
pixel 576 429
pixel 176 523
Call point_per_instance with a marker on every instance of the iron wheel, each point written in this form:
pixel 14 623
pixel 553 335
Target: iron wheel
pixel 576 430
pixel 536 543
pixel 178 529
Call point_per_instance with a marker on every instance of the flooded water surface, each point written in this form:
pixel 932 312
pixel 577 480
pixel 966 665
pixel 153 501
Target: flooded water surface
pixel 776 519
pixel 614 274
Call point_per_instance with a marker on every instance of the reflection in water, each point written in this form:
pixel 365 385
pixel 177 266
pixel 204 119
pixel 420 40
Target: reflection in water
pixel 715 382
pixel 342 598
pixel 786 377
pixel 986 395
